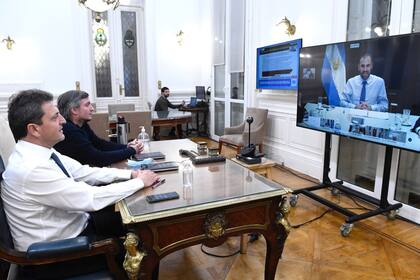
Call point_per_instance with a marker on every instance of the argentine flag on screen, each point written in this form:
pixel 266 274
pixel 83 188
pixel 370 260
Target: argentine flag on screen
pixel 334 73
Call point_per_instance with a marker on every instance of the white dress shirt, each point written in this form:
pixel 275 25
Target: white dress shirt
pixel 375 93
pixel 43 204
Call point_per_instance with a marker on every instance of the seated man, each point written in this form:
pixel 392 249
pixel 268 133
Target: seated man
pixel 81 143
pixel 365 91
pixel 46 195
pixel 162 105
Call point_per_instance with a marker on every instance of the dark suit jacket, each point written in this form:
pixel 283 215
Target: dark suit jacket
pixel 82 144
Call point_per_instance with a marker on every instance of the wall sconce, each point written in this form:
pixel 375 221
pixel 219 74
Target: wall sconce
pixel 288 28
pixel 100 6
pixel 180 37
pixel 9 42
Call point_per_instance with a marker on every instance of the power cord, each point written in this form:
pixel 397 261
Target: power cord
pixel 312 220
pixel 218 256
pixel 297 174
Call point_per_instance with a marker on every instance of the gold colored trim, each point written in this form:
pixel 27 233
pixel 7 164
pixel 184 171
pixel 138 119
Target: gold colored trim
pixel 215 225
pixel 161 250
pixel 133 256
pixel 127 218
pixel 9 42
pixel 283 214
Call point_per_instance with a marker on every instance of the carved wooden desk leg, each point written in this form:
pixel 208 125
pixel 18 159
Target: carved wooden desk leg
pixel 133 256
pixel 276 237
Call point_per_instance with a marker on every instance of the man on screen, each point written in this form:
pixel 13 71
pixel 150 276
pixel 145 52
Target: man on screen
pixel 365 91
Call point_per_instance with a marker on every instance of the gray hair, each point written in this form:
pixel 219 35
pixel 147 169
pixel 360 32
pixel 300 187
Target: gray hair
pixel 70 100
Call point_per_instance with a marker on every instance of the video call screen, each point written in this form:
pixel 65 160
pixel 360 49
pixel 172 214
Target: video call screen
pixel 366 89
pixel 277 66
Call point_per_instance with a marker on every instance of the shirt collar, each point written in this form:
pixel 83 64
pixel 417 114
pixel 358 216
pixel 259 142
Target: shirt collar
pixel 36 151
pixel 369 79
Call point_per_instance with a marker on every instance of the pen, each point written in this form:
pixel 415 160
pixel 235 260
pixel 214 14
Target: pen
pixel 158 183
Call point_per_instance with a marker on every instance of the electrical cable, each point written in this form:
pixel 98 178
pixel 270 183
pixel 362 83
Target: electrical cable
pixel 297 174
pixel 218 256
pixel 312 220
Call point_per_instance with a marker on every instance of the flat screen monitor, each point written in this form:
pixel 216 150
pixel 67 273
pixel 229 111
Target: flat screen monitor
pixel 277 65
pixel 366 89
pixel 200 92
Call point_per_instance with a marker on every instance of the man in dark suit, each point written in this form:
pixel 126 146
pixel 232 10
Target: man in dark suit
pixel 81 143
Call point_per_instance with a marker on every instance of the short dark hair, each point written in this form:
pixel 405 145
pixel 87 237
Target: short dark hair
pixel 70 100
pixel 25 107
pixel 162 90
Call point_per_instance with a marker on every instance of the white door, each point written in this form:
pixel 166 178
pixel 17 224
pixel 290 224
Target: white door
pixel 228 66
pixel 119 57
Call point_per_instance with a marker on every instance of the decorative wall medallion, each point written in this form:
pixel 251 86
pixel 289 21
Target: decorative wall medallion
pixel 100 37
pixel 129 39
pixel 215 225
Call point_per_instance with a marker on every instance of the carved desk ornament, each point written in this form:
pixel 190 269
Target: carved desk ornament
pixel 215 225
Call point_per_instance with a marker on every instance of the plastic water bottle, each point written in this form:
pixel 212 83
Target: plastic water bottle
pixel 144 138
pixel 187 174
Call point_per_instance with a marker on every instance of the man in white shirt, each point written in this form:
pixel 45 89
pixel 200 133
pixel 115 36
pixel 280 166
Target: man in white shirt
pixel 365 91
pixel 46 195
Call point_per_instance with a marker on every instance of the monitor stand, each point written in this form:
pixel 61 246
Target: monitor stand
pixel 337 187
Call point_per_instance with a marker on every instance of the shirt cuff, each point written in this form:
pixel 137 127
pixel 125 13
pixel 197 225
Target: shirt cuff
pixel 123 174
pixel 136 182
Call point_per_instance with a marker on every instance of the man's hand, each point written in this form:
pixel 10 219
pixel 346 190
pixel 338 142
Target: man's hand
pixel 148 177
pixel 363 106
pixel 136 145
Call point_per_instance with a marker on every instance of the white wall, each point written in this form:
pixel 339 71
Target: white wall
pixel 317 22
pixel 47 50
pixel 52 46
pixel 179 67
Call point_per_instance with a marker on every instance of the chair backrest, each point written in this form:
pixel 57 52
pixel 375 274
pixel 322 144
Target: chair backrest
pixel 114 108
pixel 5 236
pixel 259 115
pixel 137 119
pixel 7 141
pixel 260 118
pixel 100 125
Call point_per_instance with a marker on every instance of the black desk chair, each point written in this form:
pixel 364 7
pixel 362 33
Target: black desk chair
pixel 56 251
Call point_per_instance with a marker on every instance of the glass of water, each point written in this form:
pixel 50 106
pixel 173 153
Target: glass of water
pixel 406 115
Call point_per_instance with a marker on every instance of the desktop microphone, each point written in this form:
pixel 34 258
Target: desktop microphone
pixel 249 120
pixel 250 150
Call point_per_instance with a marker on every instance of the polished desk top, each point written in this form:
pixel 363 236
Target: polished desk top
pixel 164 115
pixel 214 185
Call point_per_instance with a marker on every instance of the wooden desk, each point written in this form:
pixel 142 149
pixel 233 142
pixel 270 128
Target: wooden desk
pixel 169 118
pixel 263 168
pixel 226 200
pixel 197 111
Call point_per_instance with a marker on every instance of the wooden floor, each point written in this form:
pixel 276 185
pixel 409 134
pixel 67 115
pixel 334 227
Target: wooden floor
pixel 377 248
